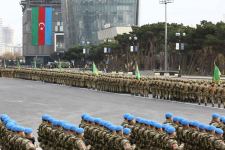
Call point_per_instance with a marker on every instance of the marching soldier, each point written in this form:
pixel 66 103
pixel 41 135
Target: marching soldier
pixel 169 119
pixel 171 142
pixel 215 120
pixel 28 135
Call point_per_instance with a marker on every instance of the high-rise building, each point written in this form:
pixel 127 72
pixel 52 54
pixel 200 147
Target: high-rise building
pixel 84 18
pixel 7 41
pixel 41 48
pixel 7 35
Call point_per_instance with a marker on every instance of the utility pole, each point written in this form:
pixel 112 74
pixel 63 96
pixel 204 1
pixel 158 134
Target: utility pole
pixel 165 2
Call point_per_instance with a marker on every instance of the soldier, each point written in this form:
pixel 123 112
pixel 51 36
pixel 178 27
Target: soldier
pixel 44 132
pixel 5 135
pixel 205 93
pixel 126 133
pixel 182 134
pixel 20 130
pixel 28 135
pixel 222 125
pixel 223 96
pixel 121 143
pixel 119 130
pixel 210 130
pixel 20 141
pixel 194 132
pixel 212 90
pixel 156 144
pixel 130 121
pixel 171 143
pixel 125 122
pixel 202 135
pixel 175 123
pixel 215 120
pixel 79 143
pixel 169 119
pixel 218 142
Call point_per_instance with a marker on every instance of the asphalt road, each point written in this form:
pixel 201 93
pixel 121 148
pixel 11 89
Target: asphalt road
pixel 26 101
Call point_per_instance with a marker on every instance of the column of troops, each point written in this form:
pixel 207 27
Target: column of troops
pixel 183 90
pixel 134 133
pixel 176 133
pixel 56 134
pixel 15 137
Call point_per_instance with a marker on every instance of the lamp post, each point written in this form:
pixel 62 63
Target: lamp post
pixel 85 45
pixel 180 47
pixel 107 51
pixel 133 46
pixel 165 2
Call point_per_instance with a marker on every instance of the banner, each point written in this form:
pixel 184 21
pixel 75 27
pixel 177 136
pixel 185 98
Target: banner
pixel 41 26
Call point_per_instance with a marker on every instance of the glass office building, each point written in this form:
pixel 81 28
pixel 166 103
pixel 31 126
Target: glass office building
pixel 83 18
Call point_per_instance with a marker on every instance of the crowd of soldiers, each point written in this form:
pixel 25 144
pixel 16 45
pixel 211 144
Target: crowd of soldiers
pixel 56 134
pixel 193 91
pixel 14 136
pixel 134 133
pixel 103 135
pixel 176 133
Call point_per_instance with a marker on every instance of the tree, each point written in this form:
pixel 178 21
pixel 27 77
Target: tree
pixel 203 45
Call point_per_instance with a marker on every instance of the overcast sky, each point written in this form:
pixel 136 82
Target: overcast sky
pixel 188 12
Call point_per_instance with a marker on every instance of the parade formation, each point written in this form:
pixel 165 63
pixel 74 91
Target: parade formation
pixel 134 133
pixel 70 78
pixel 182 90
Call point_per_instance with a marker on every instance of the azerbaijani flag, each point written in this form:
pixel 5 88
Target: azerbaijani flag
pixel 41 26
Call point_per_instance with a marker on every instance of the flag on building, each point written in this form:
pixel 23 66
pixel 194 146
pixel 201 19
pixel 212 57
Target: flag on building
pixel 94 69
pixel 137 73
pixel 216 74
pixel 41 26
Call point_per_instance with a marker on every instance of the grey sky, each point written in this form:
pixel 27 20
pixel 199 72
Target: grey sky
pixel 188 12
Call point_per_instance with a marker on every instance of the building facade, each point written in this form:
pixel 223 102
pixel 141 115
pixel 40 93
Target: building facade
pixel 110 33
pixel 84 18
pixel 7 35
pixel 43 52
pixel 6 39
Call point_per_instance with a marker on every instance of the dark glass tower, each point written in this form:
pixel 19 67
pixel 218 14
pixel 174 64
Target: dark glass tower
pixel 83 18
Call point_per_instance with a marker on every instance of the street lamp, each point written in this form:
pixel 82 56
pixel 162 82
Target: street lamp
pixel 85 48
pixel 133 47
pixel 85 45
pixel 165 2
pixel 107 51
pixel 180 47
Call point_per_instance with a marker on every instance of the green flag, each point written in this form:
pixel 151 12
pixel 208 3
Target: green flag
pixel 137 73
pixel 94 69
pixel 216 74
